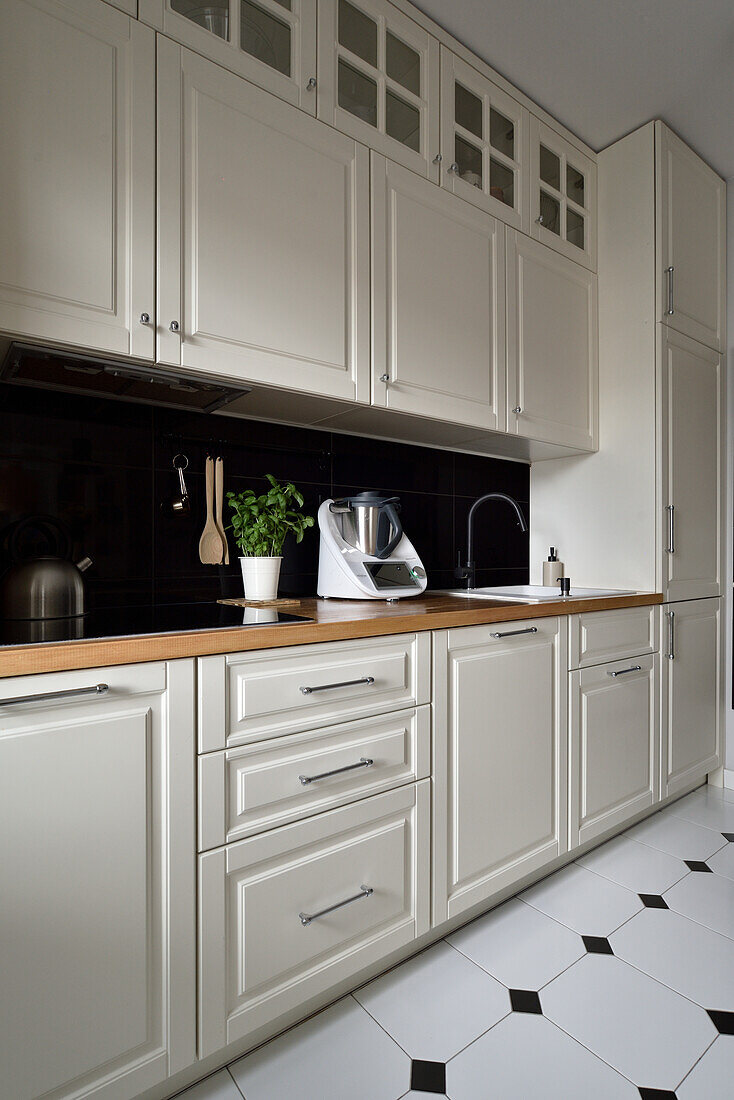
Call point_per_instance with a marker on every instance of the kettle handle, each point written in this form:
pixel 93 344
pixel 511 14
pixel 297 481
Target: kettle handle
pixel 391 514
pixel 49 525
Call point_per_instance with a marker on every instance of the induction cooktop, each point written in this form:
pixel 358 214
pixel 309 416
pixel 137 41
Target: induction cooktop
pixel 120 622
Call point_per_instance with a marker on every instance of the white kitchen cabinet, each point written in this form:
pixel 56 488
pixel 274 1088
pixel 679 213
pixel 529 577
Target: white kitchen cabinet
pixel 263 227
pixel 552 349
pixel 77 130
pixel 378 74
pixel 563 195
pixel 691 468
pixel 485 143
pixel 130 7
pixel 691 231
pixel 438 302
pixel 97 938
pixel 691 670
pixel 500 755
pixel 292 912
pixel 596 637
pixel 271 43
pixel 614 744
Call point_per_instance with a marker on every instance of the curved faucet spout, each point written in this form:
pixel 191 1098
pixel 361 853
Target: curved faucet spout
pixel 467 572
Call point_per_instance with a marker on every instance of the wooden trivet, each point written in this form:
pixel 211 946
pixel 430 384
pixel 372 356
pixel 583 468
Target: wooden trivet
pixel 240 601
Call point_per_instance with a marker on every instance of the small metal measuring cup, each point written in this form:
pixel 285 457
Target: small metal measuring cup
pixel 181 503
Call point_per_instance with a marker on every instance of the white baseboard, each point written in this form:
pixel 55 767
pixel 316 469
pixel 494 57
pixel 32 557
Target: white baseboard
pixel 729 778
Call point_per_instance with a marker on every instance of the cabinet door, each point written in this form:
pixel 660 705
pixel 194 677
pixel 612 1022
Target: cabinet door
pixel 271 43
pixel 613 719
pixel 691 469
pixel 500 749
pixel 97 875
pixel 691 229
pixel 563 195
pixel 438 302
pixel 378 80
pixel 77 130
pixel 552 347
pixel 263 221
pixel 484 143
pixel 691 672
pixel 287 915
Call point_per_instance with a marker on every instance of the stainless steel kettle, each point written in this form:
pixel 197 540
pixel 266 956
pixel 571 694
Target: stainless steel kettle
pixel 370 522
pixel 46 587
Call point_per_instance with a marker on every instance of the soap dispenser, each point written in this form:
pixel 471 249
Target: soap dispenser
pixel 552 569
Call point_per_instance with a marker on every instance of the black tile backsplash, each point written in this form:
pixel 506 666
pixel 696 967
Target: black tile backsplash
pixel 105 469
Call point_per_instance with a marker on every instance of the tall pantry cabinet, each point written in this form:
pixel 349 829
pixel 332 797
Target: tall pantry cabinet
pixel 652 497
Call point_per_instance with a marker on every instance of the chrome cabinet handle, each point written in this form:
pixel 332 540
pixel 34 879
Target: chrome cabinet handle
pixel 512 633
pixel 385 378
pixel 52 696
pixel 671 635
pixel 624 671
pixel 343 684
pixel 670 548
pixel 364 892
pixel 454 169
pixel 364 762
pixel 670 310
pixel 311 84
pixel 174 326
pixel 144 318
pixel 517 410
pixel 438 158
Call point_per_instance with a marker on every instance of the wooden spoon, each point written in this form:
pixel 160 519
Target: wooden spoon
pixel 218 500
pixel 210 543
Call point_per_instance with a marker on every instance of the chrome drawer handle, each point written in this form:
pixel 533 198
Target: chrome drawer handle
pixel 364 892
pixel 364 762
pixel 671 635
pixel 624 671
pixel 670 310
pixel 343 684
pixel 670 509
pixel 51 696
pixel 513 633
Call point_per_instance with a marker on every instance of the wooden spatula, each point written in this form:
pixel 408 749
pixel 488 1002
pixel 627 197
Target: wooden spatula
pixel 210 543
pixel 218 500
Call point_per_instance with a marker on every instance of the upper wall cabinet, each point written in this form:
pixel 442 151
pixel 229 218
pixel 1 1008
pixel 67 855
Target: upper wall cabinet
pixel 691 232
pixel 129 6
pixel 438 305
pixel 270 42
pixel 378 80
pixel 484 142
pixel 563 195
pixel 263 223
pixel 77 130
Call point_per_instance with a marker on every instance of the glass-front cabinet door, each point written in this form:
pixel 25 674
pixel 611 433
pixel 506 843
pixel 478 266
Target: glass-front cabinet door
pixel 272 43
pixel 563 198
pixel 484 142
pixel 378 80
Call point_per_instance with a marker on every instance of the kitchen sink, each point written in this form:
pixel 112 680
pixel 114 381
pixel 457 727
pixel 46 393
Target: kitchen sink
pixel 531 593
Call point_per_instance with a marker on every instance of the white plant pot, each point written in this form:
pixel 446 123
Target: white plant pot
pixel 260 577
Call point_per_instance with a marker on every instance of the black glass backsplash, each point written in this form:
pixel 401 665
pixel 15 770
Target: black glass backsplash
pixel 105 469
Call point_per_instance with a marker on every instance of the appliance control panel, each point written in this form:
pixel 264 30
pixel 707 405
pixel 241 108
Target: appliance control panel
pixel 386 575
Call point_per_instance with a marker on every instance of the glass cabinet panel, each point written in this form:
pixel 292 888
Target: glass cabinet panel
pixel 357 33
pixel 402 121
pixel 212 16
pixel 357 93
pixel 265 37
pixel 550 168
pixel 403 64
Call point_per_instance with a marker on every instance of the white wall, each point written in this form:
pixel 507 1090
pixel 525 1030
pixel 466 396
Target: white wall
pixel 729 509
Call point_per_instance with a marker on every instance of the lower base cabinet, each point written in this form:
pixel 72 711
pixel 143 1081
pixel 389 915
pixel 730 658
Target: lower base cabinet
pixel 691 670
pixel 289 913
pixel 614 737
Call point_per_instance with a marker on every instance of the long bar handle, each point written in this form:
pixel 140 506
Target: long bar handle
pixel 670 548
pixel 364 892
pixel 364 762
pixel 343 684
pixel 671 635
pixel 670 310
pixel 52 696
pixel 624 671
pixel 512 633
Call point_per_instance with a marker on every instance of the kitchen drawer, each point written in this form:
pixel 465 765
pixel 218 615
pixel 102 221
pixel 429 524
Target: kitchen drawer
pixel 246 790
pixel 273 930
pixel 247 697
pixel 599 636
pixel 515 632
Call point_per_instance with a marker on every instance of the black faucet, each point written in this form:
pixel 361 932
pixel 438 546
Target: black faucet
pixel 467 571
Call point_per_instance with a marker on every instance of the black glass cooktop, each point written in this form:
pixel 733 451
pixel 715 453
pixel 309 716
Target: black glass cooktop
pixel 123 621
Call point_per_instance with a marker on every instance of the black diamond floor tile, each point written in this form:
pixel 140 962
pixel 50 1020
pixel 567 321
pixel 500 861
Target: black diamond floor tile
pixel 729 837
pixel 697 865
pixel 597 945
pixel 428 1076
pixel 656 1094
pixel 653 901
pixel 722 1021
pixel 525 1000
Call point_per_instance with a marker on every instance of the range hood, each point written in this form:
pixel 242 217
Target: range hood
pixel 28 365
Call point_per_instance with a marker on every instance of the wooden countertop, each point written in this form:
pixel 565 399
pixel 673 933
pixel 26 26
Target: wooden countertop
pixel 334 620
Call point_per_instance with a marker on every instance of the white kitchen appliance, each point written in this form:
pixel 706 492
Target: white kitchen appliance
pixel 364 553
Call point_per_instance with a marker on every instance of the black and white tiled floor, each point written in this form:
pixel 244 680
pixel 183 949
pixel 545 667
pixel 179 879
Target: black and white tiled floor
pixel 612 978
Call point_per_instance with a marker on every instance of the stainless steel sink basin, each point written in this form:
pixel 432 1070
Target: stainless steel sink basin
pixel 530 593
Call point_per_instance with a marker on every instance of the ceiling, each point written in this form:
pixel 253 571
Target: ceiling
pixel 604 68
